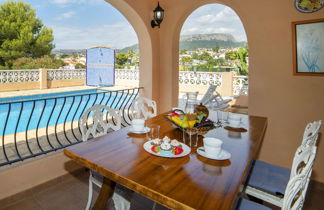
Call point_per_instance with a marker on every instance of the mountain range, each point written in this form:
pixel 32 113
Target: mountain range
pixel 194 41
pixel 188 42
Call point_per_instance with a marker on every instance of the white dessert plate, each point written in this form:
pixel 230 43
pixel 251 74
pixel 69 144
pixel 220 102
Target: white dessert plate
pixel 224 155
pixel 186 150
pixel 145 130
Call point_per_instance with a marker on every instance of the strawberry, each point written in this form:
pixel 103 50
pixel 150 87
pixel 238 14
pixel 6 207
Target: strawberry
pixel 155 149
pixel 173 114
pixel 177 150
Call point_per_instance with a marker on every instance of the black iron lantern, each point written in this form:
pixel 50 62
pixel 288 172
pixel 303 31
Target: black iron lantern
pixel 158 16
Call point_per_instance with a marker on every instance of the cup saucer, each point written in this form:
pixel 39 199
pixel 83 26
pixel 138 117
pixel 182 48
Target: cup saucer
pixel 145 130
pixel 224 155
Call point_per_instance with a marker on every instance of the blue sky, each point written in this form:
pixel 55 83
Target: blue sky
pixel 78 24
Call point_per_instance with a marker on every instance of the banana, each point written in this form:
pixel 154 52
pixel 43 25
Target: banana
pixel 177 120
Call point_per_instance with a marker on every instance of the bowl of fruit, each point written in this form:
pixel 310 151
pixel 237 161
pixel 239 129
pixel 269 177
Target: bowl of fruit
pixel 191 123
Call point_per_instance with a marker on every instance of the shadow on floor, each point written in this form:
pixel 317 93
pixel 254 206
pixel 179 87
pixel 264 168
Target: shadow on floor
pixel 72 193
pixel 69 194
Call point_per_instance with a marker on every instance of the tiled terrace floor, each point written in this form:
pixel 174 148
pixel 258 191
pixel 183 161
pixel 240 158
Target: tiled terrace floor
pixel 71 194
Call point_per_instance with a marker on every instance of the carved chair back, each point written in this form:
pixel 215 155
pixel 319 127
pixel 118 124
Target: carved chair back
pixel 143 108
pixel 303 158
pixel 296 189
pixel 311 133
pixel 303 152
pixel 98 120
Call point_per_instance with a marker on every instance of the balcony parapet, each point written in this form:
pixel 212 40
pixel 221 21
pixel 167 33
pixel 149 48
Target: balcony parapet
pixel 228 83
pixel 63 74
pixel 28 75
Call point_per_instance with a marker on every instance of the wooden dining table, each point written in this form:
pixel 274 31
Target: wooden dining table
pixel 189 182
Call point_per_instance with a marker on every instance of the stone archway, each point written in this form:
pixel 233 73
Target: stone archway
pixel 228 83
pixel 170 31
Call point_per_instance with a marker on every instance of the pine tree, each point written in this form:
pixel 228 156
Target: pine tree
pixel 22 34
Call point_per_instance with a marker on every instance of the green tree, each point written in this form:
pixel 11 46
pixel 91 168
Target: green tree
pixel 241 54
pixel 221 61
pixel 79 66
pixel 183 51
pixel 22 34
pixel 195 56
pixel 45 62
pixel 186 60
pixel 121 59
pixel 130 53
pixel 205 56
pixel 216 49
pixel 64 56
pixel 215 62
pixel 231 55
pixel 212 62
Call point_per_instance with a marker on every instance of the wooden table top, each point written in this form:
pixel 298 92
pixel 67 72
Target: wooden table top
pixel 190 182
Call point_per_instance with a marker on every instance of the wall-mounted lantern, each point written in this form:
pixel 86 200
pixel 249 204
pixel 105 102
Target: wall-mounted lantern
pixel 158 16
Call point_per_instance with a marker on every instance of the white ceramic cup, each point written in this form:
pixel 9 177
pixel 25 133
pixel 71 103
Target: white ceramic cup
pixel 234 120
pixel 234 116
pixel 138 124
pixel 213 146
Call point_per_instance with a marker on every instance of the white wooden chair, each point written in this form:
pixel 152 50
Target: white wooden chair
pixel 213 100
pixel 142 108
pixel 209 93
pixel 311 133
pixel 268 182
pixel 216 102
pixel 296 189
pixel 95 122
pixel 98 120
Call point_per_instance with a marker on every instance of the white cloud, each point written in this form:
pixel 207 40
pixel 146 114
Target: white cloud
pixel 66 15
pixel 64 3
pixel 214 18
pixel 117 35
pixel 227 15
pixel 205 18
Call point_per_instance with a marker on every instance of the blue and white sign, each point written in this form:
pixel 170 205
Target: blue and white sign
pixel 100 66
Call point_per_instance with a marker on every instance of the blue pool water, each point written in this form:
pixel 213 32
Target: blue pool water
pixel 38 111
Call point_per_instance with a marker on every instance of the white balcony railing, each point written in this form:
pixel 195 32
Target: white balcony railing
pixel 126 74
pixel 9 76
pixel 186 78
pixel 240 85
pixel 200 78
pixel 62 74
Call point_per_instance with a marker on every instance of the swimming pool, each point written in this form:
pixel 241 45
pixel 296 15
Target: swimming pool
pixel 24 113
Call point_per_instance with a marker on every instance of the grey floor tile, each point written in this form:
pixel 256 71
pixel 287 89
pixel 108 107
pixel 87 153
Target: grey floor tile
pixel 27 204
pixel 72 194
